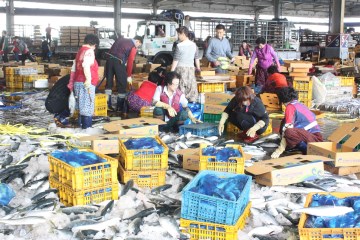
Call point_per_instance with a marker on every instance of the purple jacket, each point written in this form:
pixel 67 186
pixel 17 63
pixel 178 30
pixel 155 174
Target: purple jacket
pixel 265 57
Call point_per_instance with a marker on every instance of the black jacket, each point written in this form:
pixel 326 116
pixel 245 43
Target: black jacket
pixel 256 109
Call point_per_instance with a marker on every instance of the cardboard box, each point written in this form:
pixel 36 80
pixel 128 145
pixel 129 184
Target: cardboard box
pixel 207 73
pixel 137 126
pixel 288 170
pixel 298 74
pixel 218 98
pixel 191 158
pixel 271 101
pixel 213 108
pixel 283 69
pixel 298 64
pixel 244 80
pixel 343 146
pixel 301 78
pixel 105 144
pixel 341 171
pixel 299 70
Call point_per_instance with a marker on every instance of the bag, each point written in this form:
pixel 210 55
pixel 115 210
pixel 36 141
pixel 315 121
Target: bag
pixel 72 103
pixel 58 99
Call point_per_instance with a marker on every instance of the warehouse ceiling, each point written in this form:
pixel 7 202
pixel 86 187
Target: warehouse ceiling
pixel 298 8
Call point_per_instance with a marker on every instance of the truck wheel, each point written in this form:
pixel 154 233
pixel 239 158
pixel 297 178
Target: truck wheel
pixel 163 59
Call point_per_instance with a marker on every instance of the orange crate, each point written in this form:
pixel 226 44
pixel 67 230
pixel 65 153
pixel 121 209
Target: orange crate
pixel 86 177
pixel 211 87
pixel 318 233
pixel 100 100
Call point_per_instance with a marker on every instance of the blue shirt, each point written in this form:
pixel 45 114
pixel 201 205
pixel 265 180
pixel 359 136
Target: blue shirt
pixel 218 48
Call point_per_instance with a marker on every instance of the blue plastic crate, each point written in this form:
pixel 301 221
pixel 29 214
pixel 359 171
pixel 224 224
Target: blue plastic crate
pixel 205 208
pixel 200 129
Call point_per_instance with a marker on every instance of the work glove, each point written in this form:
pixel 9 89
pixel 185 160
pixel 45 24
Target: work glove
pixel 129 80
pixel 198 71
pixel 280 149
pixel 172 112
pixel 192 118
pixel 87 83
pixel 252 131
pixel 221 127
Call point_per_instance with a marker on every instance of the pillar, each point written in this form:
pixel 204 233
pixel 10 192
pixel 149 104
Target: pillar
pixel 277 9
pixel 337 18
pixel 155 7
pixel 10 13
pixel 117 17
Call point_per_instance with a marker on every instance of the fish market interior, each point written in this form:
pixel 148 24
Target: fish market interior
pixel 165 119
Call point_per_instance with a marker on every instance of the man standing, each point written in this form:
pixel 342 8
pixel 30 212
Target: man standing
pixel 45 50
pixel 218 50
pixel 4 44
pixel 185 54
pixel 48 33
pixel 24 50
pixel 120 64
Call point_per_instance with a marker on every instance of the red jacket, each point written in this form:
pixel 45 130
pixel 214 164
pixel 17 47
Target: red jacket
pixel 146 91
pixel 79 71
pixel 277 80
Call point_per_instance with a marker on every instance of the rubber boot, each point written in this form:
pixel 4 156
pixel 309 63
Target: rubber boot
pixel 108 92
pixel 120 104
pixel 302 146
pixel 86 122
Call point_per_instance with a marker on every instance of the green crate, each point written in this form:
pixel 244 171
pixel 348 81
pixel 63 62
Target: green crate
pixel 212 118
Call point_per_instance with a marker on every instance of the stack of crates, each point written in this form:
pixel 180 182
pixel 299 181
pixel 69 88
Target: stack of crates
pixel 10 77
pixel 87 184
pixel 299 70
pixel 231 128
pixel 100 105
pixel 143 166
pixel 28 80
pixel 209 217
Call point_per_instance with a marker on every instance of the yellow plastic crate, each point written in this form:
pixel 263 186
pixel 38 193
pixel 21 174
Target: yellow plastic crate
pixel 100 100
pixel 302 85
pixel 10 84
pixel 144 179
pixel 305 95
pixel 143 159
pixel 211 87
pixel 10 78
pixel 204 230
pixel 237 167
pixel 147 112
pixel 346 81
pixel 306 103
pixel 100 111
pixel 318 233
pixel 95 195
pixel 231 128
pixel 18 85
pixel 10 70
pixel 86 177
pixel 31 78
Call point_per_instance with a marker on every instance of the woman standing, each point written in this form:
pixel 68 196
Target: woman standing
pixel 185 54
pixel 266 57
pixel 248 113
pixel 245 49
pixel 299 125
pixel 84 78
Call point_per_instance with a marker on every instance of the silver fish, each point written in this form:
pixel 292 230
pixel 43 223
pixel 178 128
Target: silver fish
pixel 182 145
pixel 170 225
pixel 266 230
pixel 325 211
pixel 184 173
pixel 127 187
pixel 266 217
pixel 273 136
pixel 212 138
pixel 97 226
pixel 293 189
pixel 268 145
pixel 108 207
pixel 198 141
pixel 24 221
pixel 79 209
pixel 78 223
pixel 134 226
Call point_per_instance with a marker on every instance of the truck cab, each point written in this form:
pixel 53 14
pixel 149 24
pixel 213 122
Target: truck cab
pixel 107 37
pixel 158 40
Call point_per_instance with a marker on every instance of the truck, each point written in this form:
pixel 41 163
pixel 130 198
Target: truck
pixel 159 37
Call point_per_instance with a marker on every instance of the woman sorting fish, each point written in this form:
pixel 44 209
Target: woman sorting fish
pixel 299 125
pixel 170 104
pixel 266 57
pixel 248 113
pixel 83 79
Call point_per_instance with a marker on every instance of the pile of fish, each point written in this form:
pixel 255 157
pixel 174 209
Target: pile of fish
pixel 36 213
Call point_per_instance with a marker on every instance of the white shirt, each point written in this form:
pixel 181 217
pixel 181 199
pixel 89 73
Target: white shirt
pixel 159 90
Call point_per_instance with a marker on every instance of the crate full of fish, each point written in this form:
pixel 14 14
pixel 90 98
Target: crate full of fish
pixel 144 178
pixel 200 129
pixel 143 153
pixel 332 215
pixel 228 159
pixel 69 197
pixel 216 197
pixel 205 230
pixel 83 169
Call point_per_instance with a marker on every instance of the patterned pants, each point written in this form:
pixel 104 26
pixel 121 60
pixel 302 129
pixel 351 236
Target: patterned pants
pixel 85 99
pixel 296 135
pixel 260 76
pixel 188 83
pixel 136 103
